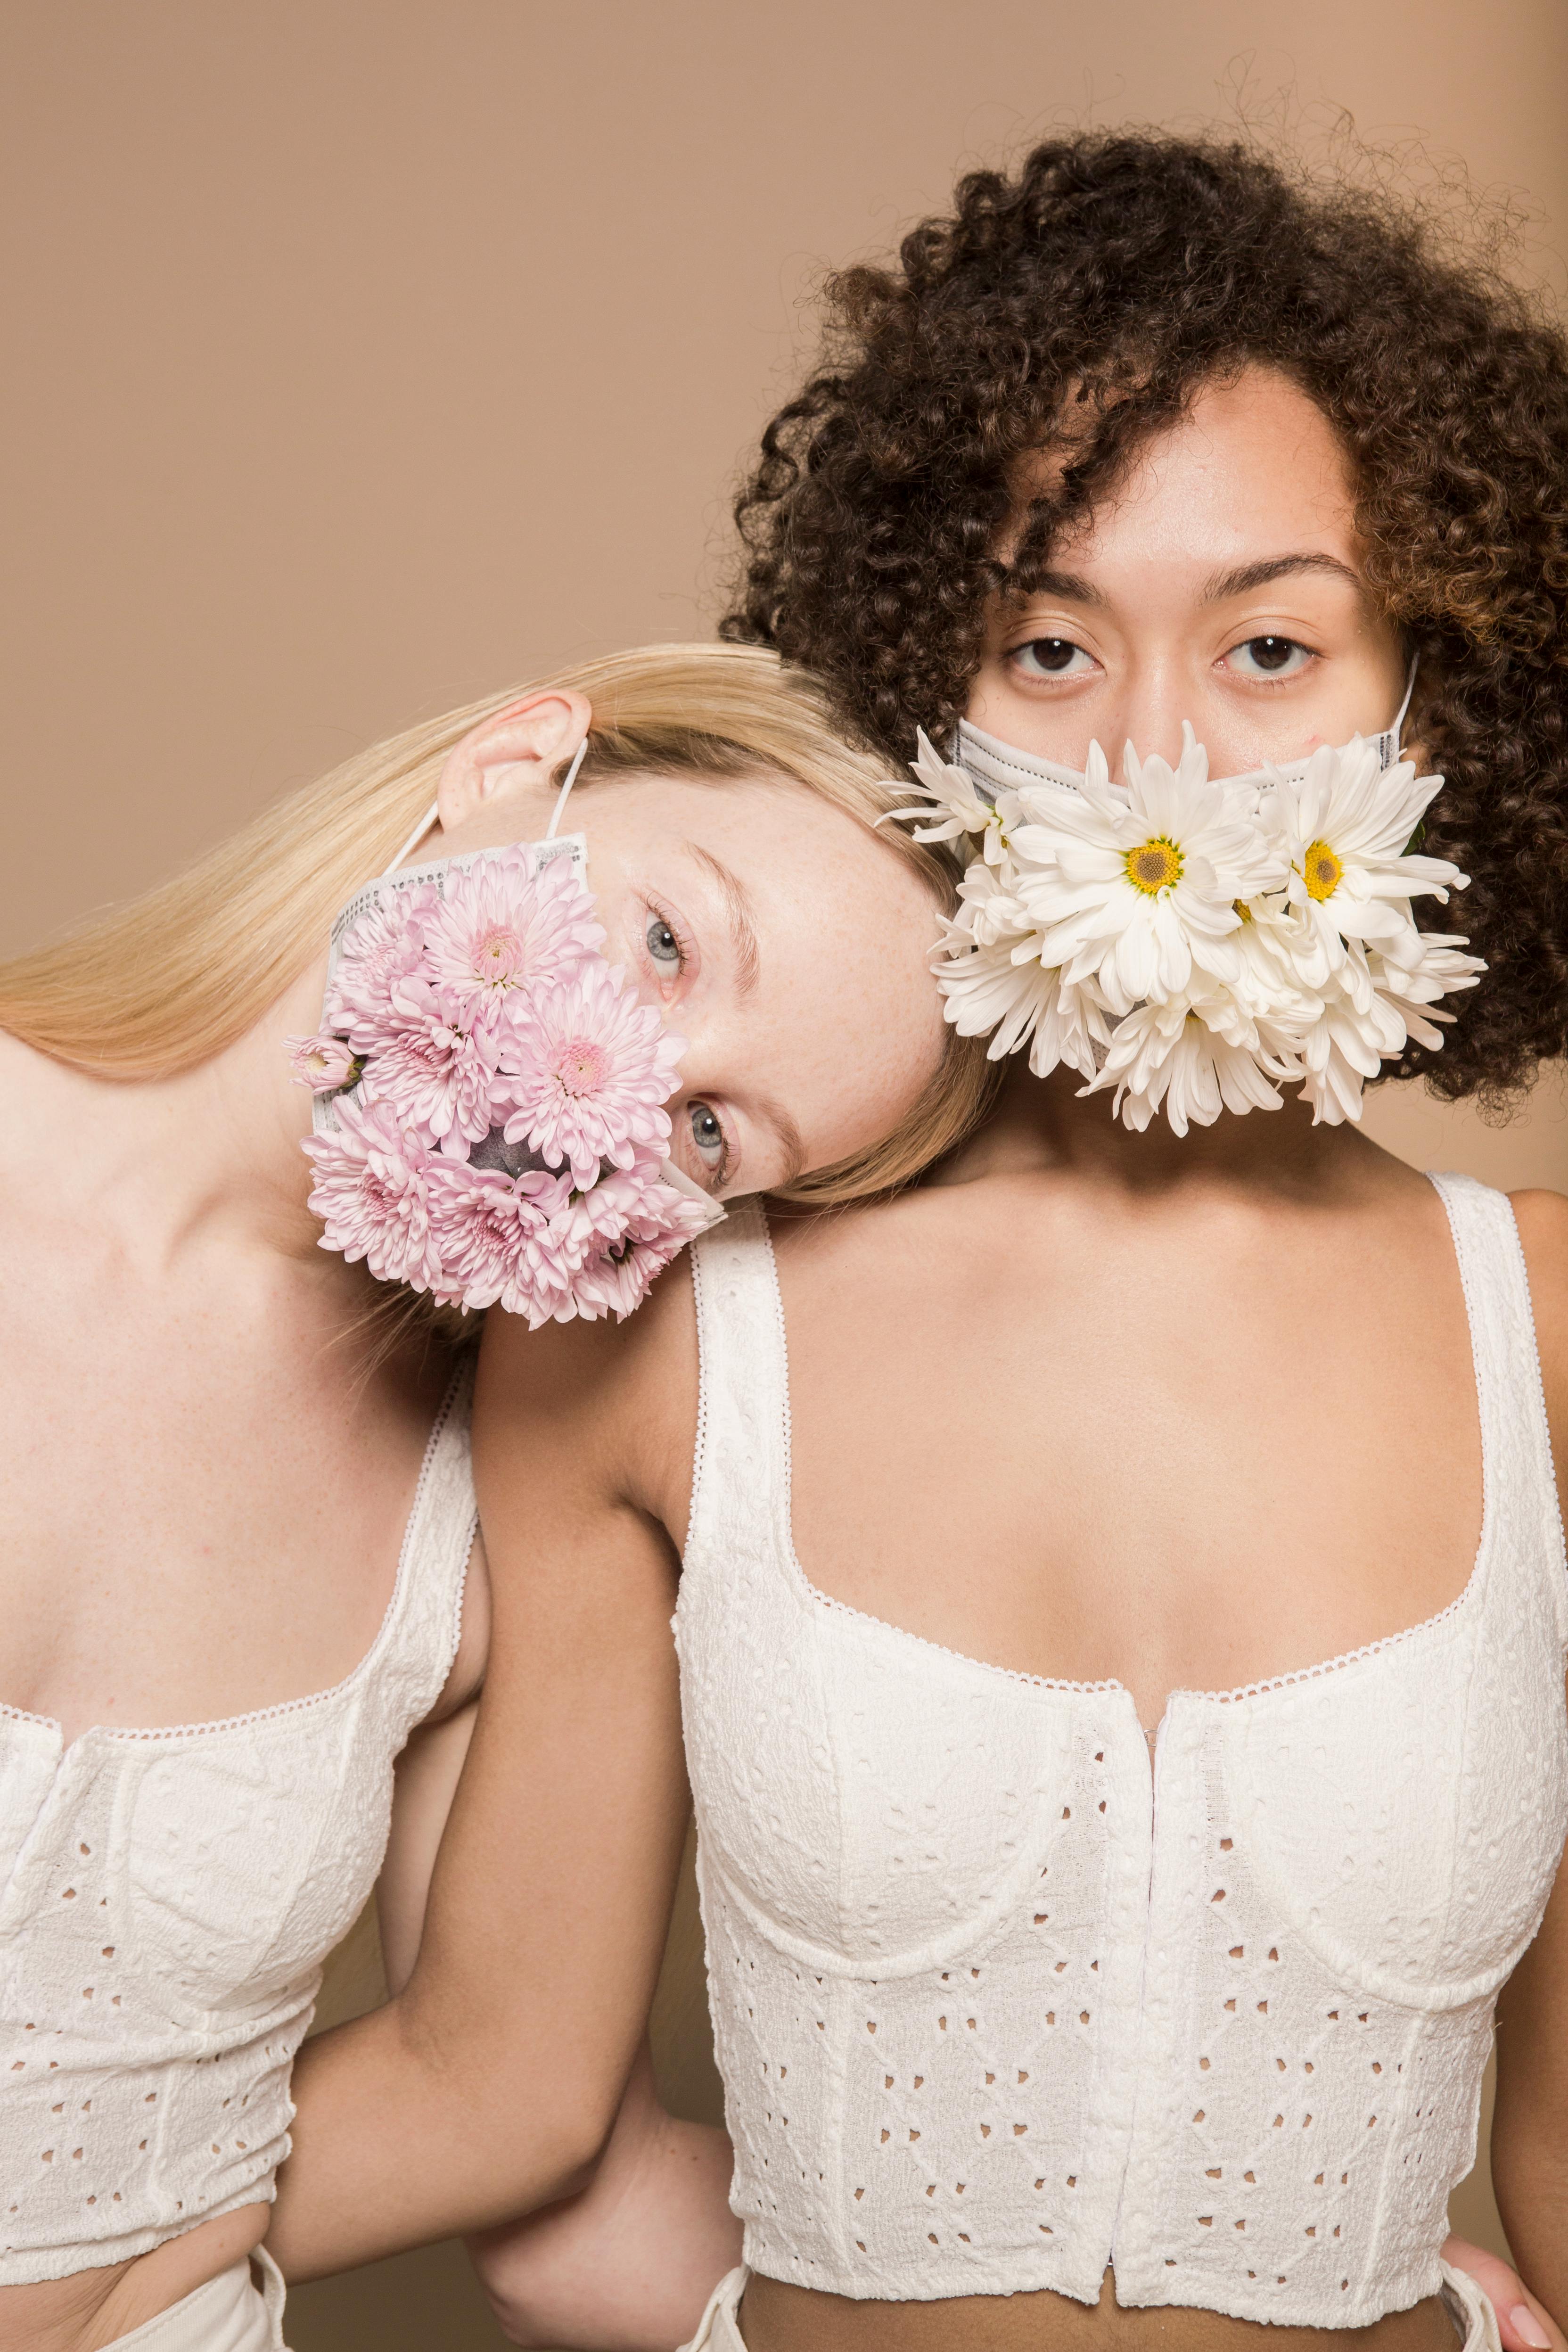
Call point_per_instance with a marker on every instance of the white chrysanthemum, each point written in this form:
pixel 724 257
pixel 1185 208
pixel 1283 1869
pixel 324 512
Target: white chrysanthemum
pixel 989 908
pixel 1168 1054
pixel 1346 1045
pixel 1344 830
pixel 1369 1015
pixel 1130 890
pixel 957 809
pixel 1414 992
pixel 1003 988
pixel 1193 946
pixel 989 970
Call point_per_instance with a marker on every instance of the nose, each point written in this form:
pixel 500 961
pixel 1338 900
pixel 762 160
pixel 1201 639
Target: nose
pixel 1155 698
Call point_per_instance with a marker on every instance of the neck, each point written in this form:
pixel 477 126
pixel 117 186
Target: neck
pixel 1047 1124
pixel 158 1164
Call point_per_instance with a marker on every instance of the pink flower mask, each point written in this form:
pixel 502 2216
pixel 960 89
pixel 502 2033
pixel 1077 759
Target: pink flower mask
pixel 488 1093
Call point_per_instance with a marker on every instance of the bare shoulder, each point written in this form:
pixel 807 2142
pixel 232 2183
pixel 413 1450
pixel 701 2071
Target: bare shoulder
pixel 914 1236
pixel 615 1401
pixel 1542 1219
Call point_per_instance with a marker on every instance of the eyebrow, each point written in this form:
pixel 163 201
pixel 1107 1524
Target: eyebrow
pixel 1072 589
pixel 1068 585
pixel 738 907
pixel 788 1135
pixel 1247 576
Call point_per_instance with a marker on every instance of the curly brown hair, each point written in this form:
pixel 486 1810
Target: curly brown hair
pixel 1079 303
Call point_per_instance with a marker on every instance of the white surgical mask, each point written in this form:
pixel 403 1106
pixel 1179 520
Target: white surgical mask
pixel 996 766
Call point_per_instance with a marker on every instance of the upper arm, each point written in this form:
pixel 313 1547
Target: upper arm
pixel 424 1783
pixel 1542 1219
pixel 551 1892
pixel 1528 2163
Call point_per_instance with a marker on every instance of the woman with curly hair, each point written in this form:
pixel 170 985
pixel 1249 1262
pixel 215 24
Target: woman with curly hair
pixel 898 511
pixel 1154 432
pixel 1120 1597
pixel 1122 1640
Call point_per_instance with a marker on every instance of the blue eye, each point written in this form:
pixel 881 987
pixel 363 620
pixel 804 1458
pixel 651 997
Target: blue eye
pixel 707 1134
pixel 1050 658
pixel 1261 657
pixel 663 944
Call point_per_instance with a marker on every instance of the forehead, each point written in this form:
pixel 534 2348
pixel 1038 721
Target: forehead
pixel 773 831
pixel 1252 467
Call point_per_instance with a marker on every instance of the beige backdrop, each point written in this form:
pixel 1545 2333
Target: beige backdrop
pixel 370 354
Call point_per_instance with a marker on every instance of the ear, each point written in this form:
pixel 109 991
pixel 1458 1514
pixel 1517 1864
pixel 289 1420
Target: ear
pixel 516 747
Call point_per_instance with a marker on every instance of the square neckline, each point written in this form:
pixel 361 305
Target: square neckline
pixel 1240 1694
pixel 357 1674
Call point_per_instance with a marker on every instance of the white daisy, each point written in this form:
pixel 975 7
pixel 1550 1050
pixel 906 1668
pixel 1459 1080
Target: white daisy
pixel 1193 946
pixel 1344 829
pixel 1129 889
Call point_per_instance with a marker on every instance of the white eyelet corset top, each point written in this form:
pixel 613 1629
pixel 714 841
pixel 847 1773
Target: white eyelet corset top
pixel 998 2007
pixel 166 1901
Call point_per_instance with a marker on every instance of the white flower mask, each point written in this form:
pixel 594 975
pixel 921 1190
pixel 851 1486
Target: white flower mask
pixel 1193 942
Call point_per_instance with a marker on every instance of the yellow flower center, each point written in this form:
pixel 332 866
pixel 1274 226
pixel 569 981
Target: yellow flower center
pixel 1154 866
pixel 1322 871
pixel 1242 909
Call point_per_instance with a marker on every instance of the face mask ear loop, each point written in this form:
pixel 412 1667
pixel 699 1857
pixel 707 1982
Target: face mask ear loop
pixel 1398 726
pixel 434 811
pixel 580 755
pixel 415 837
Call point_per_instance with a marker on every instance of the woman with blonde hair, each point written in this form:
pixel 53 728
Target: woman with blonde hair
pixel 240 1565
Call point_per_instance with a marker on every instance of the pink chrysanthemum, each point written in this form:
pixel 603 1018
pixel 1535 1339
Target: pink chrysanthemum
pixel 371 1191
pixel 501 1238
pixel 587 1068
pixel 622 1199
pixel 385 946
pixel 435 1063
pixel 324 1063
pixel 449 1012
pixel 507 924
pixel 617 1279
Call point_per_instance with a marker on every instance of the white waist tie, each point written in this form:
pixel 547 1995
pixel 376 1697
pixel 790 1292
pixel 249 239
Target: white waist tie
pixel 720 2326
pixel 231 2313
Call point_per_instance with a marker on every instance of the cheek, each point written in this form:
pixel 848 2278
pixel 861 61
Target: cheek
pixel 860 1070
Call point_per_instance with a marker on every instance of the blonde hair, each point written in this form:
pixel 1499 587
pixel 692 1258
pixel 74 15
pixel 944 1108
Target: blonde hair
pixel 164 984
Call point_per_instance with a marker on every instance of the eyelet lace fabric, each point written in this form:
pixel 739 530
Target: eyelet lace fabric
pixel 999 2006
pixel 166 1903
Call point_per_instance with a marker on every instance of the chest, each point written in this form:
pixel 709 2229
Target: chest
pixel 201 1499
pixel 1171 1466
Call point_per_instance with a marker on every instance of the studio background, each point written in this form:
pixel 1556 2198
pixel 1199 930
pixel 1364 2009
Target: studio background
pixel 364 358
